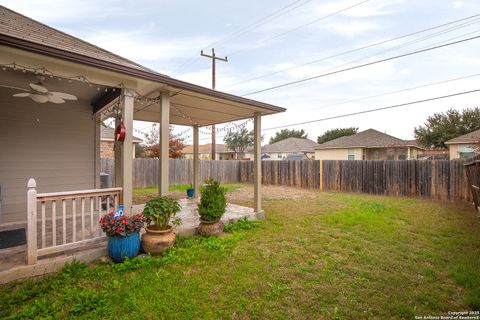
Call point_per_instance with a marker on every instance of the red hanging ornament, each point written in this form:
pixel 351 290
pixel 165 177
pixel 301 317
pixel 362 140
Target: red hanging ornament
pixel 120 132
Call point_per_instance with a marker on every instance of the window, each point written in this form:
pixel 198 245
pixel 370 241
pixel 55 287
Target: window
pixel 364 154
pixel 351 154
pixel 466 151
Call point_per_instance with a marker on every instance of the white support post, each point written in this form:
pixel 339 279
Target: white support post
pixel 164 121
pixel 127 106
pixel 196 164
pixel 32 222
pixel 257 165
pixel 97 118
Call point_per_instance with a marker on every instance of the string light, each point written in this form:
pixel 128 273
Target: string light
pixel 114 111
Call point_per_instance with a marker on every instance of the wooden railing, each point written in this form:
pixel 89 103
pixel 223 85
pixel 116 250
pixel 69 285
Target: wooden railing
pixel 76 226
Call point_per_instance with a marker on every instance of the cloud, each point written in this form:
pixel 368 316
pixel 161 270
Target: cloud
pixel 364 10
pixel 457 4
pixel 351 28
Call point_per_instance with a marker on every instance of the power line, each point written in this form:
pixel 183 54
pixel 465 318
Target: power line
pixel 274 15
pixel 397 91
pixel 375 109
pixel 305 25
pixel 361 66
pixel 277 13
pixel 356 49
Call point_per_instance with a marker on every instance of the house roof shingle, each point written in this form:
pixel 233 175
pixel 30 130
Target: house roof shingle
pixel 19 26
pixel 368 138
pixel 472 137
pixel 291 145
pixel 108 133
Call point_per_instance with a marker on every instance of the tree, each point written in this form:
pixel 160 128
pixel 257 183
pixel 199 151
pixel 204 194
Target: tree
pixel 336 133
pixel 442 127
pixel 152 148
pixel 238 141
pixel 139 150
pixel 286 133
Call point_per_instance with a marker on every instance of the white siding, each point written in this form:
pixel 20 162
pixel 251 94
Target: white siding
pixel 52 143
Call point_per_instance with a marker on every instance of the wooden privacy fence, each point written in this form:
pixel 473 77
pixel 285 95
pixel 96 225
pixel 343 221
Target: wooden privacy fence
pixel 473 174
pixel 440 179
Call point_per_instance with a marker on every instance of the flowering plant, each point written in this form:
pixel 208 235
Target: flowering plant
pixel 115 225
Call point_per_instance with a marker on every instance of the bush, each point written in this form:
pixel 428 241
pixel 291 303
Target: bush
pixel 213 203
pixel 160 210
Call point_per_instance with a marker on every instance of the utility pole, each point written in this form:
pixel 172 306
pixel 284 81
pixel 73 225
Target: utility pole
pixel 213 57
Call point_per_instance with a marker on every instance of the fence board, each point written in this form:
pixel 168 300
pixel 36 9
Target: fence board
pixel 438 179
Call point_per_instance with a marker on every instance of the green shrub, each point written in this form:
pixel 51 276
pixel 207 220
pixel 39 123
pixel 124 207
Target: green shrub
pixel 160 210
pixel 213 203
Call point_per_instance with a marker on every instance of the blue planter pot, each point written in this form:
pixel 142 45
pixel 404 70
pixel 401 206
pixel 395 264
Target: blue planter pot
pixel 119 248
pixel 190 193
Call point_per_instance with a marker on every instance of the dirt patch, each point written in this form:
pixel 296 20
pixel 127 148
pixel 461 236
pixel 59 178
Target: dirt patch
pixel 272 193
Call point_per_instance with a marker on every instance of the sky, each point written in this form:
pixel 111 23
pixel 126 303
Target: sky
pixel 269 42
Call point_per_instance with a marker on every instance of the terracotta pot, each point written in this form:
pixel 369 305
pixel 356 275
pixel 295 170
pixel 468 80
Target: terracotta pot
pixel 157 241
pixel 210 228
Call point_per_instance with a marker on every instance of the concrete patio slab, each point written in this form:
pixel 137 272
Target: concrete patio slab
pixel 191 219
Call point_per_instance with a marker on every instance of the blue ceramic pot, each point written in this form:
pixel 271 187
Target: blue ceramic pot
pixel 121 247
pixel 190 193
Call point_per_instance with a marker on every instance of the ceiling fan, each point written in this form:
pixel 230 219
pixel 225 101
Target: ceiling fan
pixel 39 93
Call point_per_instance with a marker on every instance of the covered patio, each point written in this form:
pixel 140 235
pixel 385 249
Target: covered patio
pixel 50 176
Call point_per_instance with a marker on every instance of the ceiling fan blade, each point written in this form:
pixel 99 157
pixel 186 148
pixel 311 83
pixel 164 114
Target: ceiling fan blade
pixel 38 87
pixel 55 99
pixel 22 95
pixel 63 95
pixel 38 98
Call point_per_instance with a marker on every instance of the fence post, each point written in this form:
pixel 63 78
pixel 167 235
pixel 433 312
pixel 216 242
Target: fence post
pixel 321 175
pixel 32 222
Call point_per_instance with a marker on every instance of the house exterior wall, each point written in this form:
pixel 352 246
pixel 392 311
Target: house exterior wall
pixel 453 151
pixel 337 154
pixel 370 153
pixel 53 143
pixel 107 149
pixel 396 153
pixel 207 156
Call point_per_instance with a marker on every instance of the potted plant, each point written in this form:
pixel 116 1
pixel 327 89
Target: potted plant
pixel 160 235
pixel 190 192
pixel 123 234
pixel 211 208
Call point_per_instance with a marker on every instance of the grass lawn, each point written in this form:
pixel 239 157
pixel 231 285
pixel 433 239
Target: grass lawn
pixel 322 256
pixel 142 195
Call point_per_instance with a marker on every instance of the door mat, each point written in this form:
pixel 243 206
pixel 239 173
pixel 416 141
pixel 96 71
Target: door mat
pixel 12 238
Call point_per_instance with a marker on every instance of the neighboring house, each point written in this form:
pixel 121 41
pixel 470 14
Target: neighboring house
pixel 205 152
pixel 465 146
pixel 107 143
pixel 368 145
pixel 288 149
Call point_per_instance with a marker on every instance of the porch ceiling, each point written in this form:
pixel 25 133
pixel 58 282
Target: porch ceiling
pixel 189 108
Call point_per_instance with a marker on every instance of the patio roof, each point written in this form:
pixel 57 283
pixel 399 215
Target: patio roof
pixel 191 104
